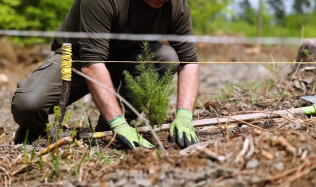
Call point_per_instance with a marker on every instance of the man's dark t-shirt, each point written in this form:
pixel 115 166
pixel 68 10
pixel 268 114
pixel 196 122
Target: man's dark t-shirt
pixel 124 16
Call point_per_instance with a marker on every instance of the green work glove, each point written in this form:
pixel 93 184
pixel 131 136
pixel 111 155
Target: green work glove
pixel 182 130
pixel 128 135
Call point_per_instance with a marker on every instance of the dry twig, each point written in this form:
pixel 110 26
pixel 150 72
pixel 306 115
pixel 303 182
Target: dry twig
pixel 210 154
pixel 227 133
pixel 3 169
pixel 254 126
pixel 220 126
pixel 243 151
pixel 183 152
pixel 61 142
pixel 267 155
pixel 2 135
pixel 288 147
pixel 84 155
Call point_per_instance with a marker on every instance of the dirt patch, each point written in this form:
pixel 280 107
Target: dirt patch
pixel 281 153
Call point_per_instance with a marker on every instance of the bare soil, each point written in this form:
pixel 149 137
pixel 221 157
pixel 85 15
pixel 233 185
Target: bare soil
pixel 271 152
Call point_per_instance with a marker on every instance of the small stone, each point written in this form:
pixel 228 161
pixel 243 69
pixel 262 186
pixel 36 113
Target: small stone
pixel 252 164
pixel 244 126
pixel 294 126
pixel 279 166
pixel 144 182
pixel 3 78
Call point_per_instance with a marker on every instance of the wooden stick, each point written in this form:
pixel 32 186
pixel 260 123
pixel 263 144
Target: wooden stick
pixel 61 142
pixel 196 123
pixel 62 104
pixel 2 135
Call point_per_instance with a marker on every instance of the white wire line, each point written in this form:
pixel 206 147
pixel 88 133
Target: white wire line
pixel 127 104
pixel 158 37
pixel 200 62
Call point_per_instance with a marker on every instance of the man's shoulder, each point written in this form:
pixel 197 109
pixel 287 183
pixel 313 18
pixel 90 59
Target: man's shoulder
pixel 179 7
pixel 113 3
pixel 178 3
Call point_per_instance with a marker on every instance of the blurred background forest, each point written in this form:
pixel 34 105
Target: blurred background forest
pixel 277 18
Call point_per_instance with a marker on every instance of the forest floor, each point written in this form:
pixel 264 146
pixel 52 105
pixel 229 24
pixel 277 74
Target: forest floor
pixel 276 151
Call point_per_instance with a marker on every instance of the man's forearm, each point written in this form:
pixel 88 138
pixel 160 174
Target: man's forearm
pixel 104 100
pixel 188 86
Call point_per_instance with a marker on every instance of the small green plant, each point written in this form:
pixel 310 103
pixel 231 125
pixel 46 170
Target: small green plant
pixel 159 153
pixel 33 151
pixel 86 118
pixel 138 137
pixel 96 112
pixel 40 166
pixel 76 171
pixel 48 129
pixel 55 162
pixel 57 115
pixel 222 96
pixel 306 52
pixel 254 92
pixel 149 91
pixel 73 134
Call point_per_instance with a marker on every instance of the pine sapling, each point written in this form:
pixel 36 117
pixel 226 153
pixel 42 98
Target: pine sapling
pixel 149 92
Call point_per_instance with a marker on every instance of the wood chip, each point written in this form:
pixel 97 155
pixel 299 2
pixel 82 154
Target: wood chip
pixel 267 155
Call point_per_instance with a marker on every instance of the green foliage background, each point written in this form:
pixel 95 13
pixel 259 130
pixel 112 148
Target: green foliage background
pixel 209 17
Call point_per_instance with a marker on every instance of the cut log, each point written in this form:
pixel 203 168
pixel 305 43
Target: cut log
pixel 306 53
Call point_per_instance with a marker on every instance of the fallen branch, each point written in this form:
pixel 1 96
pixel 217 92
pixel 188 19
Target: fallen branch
pixel 255 115
pixel 210 154
pixel 60 143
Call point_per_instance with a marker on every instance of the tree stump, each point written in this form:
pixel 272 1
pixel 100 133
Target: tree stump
pixel 306 53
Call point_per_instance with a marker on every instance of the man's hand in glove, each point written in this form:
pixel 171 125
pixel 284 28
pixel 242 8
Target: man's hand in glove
pixel 182 130
pixel 128 135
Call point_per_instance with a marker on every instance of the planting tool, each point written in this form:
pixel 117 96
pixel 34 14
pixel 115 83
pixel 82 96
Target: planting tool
pixel 66 76
pixel 214 121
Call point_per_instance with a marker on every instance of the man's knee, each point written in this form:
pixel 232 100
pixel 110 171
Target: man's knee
pixel 164 52
pixel 27 109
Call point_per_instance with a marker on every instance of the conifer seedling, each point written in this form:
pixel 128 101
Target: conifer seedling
pixel 148 90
